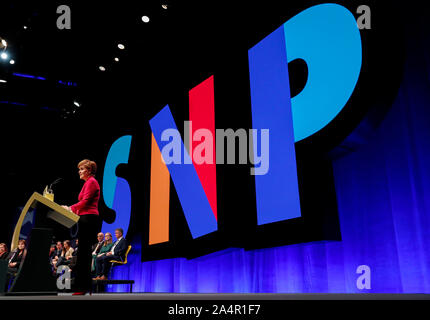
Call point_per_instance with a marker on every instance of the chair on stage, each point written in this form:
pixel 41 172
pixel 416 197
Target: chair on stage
pixel 119 263
pixel 108 281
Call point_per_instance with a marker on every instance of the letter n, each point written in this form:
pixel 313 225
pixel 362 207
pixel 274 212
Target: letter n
pixel 195 204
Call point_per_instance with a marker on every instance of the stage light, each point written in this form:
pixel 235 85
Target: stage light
pixel 76 103
pixel 164 6
pixel 145 19
pixel 116 59
pixel 12 61
pixel 3 56
pixel 2 81
pixel 121 46
pixel 3 44
pixel 25 27
pixel 102 68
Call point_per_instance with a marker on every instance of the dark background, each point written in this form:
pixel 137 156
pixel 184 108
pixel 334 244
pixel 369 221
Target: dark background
pixel 45 136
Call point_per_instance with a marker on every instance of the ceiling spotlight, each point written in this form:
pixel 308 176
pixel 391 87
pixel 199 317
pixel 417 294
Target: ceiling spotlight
pixel 2 81
pixel 121 46
pixel 12 61
pixel 76 103
pixel 116 59
pixel 3 56
pixel 145 19
pixel 25 27
pixel 102 68
pixel 4 42
pixel 164 6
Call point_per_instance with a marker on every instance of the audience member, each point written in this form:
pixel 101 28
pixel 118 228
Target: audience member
pixel 57 253
pixel 74 255
pixel 75 251
pixel 4 252
pixel 66 254
pixel 51 252
pixel 117 252
pixel 106 247
pixel 97 246
pixel 17 257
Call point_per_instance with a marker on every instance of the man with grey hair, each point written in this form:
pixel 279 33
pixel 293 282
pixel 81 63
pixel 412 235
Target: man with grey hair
pixel 97 246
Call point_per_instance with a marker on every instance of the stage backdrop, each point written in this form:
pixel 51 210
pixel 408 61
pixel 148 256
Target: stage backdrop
pixel 383 195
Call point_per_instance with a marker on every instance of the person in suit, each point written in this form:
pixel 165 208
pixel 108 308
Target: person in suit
pixel 73 260
pixel 4 252
pixel 55 255
pixel 88 224
pixel 117 252
pixel 100 241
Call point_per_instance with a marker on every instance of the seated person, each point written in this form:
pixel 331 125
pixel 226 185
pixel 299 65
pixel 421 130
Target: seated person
pixel 117 252
pixel 97 246
pixel 17 257
pixel 72 263
pixel 66 254
pixel 51 252
pixel 105 248
pixel 4 252
pixel 75 251
pixel 56 254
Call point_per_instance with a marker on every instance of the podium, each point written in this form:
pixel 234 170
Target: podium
pixel 34 274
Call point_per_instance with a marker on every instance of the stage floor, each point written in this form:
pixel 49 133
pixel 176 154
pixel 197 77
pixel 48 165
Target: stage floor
pixel 216 296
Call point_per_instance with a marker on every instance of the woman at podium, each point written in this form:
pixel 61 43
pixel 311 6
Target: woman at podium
pixel 88 224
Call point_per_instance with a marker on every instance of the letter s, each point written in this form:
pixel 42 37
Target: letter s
pixel 116 191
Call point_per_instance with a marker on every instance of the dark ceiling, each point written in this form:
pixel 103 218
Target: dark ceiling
pixel 179 44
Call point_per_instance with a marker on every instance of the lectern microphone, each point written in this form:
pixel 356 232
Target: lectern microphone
pixel 55 182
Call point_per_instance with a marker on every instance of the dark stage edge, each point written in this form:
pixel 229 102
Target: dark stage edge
pixel 217 296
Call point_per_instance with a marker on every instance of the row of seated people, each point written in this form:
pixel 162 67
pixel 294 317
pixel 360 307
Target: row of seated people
pixel 14 258
pixel 104 251
pixel 63 254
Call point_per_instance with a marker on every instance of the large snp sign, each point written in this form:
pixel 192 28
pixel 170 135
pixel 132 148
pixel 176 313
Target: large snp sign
pixel 327 39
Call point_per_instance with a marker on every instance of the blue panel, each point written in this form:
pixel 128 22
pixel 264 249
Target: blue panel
pixel 118 153
pixel 122 207
pixel 332 52
pixel 195 204
pixel 277 191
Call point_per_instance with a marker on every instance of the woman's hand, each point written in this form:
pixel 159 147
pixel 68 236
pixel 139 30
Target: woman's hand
pixel 67 208
pixel 12 264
